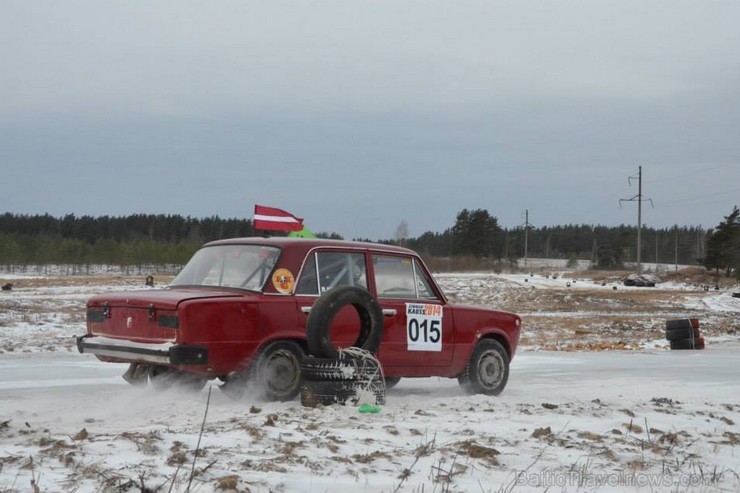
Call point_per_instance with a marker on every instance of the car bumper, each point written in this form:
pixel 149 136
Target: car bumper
pixel 163 353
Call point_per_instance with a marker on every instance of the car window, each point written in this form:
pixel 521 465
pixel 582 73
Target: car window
pixel 423 283
pixel 235 266
pixel 400 277
pixel 325 270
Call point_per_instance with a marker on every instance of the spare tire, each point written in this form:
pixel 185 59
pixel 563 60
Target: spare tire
pixel 688 344
pixel 327 393
pixel 342 369
pixel 391 382
pixel 681 323
pixel 325 309
pixel 682 333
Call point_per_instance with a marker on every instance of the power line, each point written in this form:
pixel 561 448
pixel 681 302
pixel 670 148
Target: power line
pixel 698 197
pixel 691 173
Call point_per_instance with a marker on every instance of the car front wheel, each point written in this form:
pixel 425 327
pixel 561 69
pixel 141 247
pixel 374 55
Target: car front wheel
pixel 488 369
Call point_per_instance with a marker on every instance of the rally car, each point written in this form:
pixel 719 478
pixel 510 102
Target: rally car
pixel 238 312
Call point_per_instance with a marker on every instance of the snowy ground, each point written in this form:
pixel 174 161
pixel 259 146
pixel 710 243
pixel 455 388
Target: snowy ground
pixel 582 411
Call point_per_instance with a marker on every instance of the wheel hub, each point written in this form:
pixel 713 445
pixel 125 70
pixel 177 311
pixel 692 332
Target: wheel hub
pixel 490 371
pixel 282 371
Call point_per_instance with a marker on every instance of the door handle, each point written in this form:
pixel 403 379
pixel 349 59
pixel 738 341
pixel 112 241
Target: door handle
pixel 305 309
pixel 389 312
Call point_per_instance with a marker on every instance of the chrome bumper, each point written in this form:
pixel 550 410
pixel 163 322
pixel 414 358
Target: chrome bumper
pixel 165 353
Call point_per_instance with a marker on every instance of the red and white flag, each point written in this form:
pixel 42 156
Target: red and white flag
pixel 272 219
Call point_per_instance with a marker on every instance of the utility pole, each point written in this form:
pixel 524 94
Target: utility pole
pixel 526 235
pixel 637 198
pixel 593 249
pixel 675 253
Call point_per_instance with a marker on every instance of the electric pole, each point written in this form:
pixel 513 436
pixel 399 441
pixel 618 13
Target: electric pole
pixel 526 235
pixel 637 198
pixel 675 253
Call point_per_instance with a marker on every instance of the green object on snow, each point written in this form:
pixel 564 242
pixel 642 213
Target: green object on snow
pixel 369 409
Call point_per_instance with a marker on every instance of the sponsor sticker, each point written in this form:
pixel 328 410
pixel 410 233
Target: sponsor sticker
pixel 283 281
pixel 423 327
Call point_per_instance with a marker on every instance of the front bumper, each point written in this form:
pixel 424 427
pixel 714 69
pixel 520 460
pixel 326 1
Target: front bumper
pixel 165 353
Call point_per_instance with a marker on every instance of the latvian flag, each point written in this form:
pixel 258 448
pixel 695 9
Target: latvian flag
pixel 272 219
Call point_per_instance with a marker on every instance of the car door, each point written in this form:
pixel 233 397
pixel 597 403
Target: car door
pixel 326 269
pixel 418 327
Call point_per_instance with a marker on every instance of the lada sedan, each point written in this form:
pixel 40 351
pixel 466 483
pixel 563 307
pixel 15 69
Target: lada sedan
pixel 238 312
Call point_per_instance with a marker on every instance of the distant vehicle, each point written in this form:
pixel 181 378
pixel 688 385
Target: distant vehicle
pixel 238 312
pixel 639 281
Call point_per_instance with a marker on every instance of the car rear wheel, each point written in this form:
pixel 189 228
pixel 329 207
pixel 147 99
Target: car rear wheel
pixel 277 370
pixel 488 369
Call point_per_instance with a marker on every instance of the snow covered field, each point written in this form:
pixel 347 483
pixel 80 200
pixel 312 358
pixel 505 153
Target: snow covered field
pixel 595 402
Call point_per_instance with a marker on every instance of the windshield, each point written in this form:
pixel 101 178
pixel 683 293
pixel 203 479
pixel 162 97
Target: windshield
pixel 232 266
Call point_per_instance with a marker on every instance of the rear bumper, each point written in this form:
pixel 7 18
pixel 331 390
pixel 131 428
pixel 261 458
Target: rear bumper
pixel 164 353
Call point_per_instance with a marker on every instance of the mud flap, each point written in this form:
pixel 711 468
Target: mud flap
pixel 136 374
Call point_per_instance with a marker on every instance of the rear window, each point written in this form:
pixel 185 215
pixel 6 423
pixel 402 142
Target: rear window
pixel 231 266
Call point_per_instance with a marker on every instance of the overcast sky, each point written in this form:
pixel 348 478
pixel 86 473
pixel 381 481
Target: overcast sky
pixel 357 115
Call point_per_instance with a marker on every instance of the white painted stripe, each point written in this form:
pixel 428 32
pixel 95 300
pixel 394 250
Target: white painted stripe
pixel 276 219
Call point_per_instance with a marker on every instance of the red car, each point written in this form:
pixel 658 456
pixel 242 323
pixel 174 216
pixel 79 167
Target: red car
pixel 240 307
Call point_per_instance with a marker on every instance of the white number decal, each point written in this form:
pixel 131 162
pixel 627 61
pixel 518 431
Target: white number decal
pixel 423 327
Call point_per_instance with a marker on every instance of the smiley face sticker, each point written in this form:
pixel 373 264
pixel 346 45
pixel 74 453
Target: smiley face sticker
pixel 283 281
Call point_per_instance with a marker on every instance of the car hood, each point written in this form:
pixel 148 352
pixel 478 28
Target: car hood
pixel 491 311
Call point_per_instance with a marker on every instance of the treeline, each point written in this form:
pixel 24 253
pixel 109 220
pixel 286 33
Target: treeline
pixel 723 246
pixel 163 242
pixel 170 240
pixel 604 246
pixel 160 228
pixel 477 234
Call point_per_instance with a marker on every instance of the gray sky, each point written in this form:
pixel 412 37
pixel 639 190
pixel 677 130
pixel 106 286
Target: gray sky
pixel 358 115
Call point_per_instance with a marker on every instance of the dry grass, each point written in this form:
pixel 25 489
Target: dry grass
pixel 587 318
pixel 590 317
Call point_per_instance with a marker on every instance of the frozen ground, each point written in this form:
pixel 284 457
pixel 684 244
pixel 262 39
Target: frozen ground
pixel 646 419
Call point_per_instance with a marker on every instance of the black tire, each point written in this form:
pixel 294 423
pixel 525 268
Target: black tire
pixel 688 344
pixel 328 305
pixel 683 333
pixel 391 382
pixel 277 371
pixel 164 378
pixel 327 393
pixel 488 369
pixel 682 323
pixel 342 369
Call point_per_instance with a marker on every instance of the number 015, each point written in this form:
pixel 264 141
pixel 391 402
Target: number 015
pixel 424 331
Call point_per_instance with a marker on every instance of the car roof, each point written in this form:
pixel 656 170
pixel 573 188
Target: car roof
pixel 309 243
